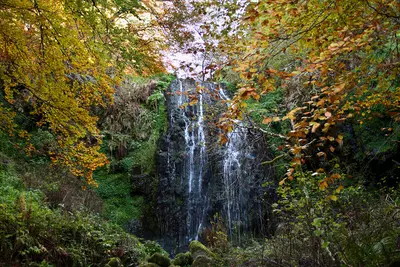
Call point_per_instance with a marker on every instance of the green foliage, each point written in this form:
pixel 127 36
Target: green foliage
pixel 270 106
pixel 32 233
pixel 347 225
pixel 152 247
pixel 377 137
pixel 132 128
pixel 119 205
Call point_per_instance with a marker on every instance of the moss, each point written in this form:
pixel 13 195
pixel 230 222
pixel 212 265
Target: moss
pixel 197 249
pixel 160 260
pixel 114 262
pixel 202 261
pixel 183 259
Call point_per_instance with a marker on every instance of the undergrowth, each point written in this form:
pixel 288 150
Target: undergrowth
pixel 32 234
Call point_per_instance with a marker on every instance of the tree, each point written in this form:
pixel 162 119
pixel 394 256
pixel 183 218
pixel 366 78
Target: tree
pixel 62 58
pixel 343 53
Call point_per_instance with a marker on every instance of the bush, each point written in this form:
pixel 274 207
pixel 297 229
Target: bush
pixel 350 225
pixel 152 247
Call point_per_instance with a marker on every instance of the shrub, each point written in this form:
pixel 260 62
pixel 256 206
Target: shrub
pixel 334 226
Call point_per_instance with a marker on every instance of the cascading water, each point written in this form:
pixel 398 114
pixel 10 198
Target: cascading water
pixel 194 154
pixel 233 179
pixel 202 139
pixel 198 177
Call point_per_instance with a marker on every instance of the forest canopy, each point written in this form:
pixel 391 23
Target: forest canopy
pixel 60 59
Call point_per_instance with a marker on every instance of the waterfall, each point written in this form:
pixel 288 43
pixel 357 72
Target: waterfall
pixel 194 156
pixel 200 178
pixel 202 140
pixel 233 176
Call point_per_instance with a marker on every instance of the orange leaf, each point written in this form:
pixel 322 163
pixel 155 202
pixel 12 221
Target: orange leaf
pixel 223 139
pixel 335 176
pixel 340 188
pixel 296 149
pixel 267 120
pixel 315 126
pixel 323 185
pixel 339 141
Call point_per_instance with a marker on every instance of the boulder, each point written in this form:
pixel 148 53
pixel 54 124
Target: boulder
pixel 202 261
pixel 160 259
pixel 198 249
pixel 183 259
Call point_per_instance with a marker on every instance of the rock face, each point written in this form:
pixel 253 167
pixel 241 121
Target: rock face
pixel 199 178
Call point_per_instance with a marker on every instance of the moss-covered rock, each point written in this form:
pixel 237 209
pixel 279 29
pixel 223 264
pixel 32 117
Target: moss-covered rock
pixel 197 249
pixel 183 259
pixel 160 260
pixel 114 262
pixel 202 261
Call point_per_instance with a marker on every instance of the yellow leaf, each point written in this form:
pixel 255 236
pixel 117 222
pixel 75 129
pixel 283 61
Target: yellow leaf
pixel 275 119
pixel 333 197
pixel 296 150
pixel 340 188
pixel 292 114
pixel 193 102
pixel 282 182
pixel 339 87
